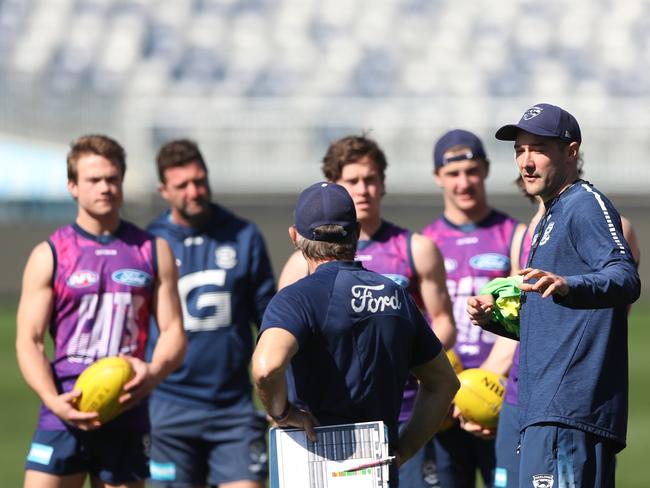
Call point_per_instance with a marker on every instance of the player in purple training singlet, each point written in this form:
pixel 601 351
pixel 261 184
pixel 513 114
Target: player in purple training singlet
pixel 475 241
pixel 411 260
pixel 94 284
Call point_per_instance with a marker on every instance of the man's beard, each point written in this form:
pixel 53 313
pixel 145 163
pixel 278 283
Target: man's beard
pixel 200 218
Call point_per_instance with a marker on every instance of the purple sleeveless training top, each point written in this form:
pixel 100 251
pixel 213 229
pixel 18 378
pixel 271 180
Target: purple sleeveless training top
pixel 388 252
pixel 474 254
pixel 103 288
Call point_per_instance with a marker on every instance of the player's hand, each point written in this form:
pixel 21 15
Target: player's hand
pixel 547 283
pixel 142 383
pixel 479 308
pixel 63 406
pixel 301 419
pixel 474 428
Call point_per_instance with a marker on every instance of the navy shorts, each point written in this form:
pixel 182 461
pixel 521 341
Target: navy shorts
pixel 195 446
pixel 114 456
pixel 506 473
pixel 554 455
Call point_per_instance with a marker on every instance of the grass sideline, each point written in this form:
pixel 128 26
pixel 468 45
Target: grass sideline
pixel 19 406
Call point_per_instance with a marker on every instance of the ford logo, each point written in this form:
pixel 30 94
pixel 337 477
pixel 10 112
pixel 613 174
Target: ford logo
pixel 131 277
pixel 490 262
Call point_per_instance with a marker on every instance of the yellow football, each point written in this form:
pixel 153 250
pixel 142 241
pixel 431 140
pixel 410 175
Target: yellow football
pixel 480 396
pixel 101 385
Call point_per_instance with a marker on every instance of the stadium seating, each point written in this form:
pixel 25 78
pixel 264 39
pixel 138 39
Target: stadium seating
pixel 229 72
pixel 307 47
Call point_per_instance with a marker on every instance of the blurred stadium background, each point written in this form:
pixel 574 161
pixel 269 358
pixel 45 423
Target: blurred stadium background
pixel 265 85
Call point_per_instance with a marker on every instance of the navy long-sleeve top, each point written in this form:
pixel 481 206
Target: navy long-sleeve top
pixel 574 359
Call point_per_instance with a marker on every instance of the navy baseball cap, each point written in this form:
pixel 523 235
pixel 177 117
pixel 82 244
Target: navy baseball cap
pixel 457 137
pixel 545 120
pixel 325 204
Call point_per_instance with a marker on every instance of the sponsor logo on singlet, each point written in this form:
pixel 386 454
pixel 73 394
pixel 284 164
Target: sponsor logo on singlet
pixel 82 278
pixel 131 277
pixel 365 299
pixel 105 252
pixel 466 241
pixel 490 262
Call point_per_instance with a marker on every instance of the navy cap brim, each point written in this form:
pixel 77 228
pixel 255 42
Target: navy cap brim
pixel 509 132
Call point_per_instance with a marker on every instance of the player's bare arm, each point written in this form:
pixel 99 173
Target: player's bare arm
pixel 438 385
pixel 271 358
pixel 515 248
pixel 170 347
pixel 430 268
pixel 501 355
pixel 34 312
pixel 294 269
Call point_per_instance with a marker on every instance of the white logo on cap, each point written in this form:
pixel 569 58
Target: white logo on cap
pixel 532 112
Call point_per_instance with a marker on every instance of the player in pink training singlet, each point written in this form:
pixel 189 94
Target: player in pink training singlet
pixel 93 284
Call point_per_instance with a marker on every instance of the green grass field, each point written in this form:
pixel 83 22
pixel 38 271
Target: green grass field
pixel 19 406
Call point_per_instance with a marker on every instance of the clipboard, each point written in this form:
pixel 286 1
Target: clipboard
pixel 345 456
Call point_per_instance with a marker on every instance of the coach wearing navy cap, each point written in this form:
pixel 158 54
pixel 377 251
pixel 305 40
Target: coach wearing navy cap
pixel 577 285
pixel 348 337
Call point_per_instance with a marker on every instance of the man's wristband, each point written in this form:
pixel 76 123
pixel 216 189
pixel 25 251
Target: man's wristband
pixel 283 416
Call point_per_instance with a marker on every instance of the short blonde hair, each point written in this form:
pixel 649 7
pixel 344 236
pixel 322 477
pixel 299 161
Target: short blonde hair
pixel 344 250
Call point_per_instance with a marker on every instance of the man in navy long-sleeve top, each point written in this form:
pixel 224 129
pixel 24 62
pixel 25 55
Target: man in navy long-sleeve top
pixel 580 277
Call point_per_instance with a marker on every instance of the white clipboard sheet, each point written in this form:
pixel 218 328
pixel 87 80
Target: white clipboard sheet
pixel 339 459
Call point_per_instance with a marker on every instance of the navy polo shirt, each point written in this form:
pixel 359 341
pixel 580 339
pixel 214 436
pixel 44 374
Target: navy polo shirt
pixel 359 334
